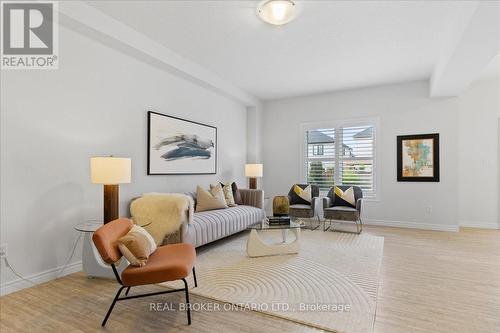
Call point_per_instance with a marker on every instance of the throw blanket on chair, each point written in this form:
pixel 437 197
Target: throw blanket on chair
pixel 165 211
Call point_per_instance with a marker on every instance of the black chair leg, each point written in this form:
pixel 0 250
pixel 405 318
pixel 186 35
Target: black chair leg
pixel 126 291
pixel 187 301
pixel 194 276
pixel 112 306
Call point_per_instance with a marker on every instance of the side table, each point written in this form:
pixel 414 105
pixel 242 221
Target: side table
pixel 93 265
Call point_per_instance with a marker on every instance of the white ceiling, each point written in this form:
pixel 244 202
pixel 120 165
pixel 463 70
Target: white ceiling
pixel 332 45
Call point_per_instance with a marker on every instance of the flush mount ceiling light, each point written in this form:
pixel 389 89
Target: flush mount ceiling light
pixel 277 12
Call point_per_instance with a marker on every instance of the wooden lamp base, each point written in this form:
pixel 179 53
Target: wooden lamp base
pixel 252 183
pixel 111 199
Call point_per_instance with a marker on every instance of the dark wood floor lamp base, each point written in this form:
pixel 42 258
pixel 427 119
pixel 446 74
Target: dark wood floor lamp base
pixel 252 183
pixel 111 199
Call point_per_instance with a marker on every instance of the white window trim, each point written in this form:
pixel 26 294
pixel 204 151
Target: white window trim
pixel 373 121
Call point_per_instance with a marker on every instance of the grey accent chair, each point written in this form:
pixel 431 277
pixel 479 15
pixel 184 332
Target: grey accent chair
pixel 343 213
pixel 303 210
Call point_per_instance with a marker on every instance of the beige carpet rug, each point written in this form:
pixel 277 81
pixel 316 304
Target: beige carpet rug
pixel 331 284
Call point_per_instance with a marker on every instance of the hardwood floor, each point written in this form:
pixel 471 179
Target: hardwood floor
pixel 431 282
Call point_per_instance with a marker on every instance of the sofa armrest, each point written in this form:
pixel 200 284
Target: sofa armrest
pixel 253 198
pixel 327 202
pixel 358 205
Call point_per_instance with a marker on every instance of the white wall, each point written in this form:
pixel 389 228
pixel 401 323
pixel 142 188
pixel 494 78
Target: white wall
pixel 401 109
pixel 479 110
pixel 254 134
pixel 469 127
pixel 95 104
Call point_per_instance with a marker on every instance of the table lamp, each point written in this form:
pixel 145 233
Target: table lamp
pixel 110 171
pixel 252 171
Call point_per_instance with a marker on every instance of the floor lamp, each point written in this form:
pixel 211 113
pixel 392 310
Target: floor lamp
pixel 110 171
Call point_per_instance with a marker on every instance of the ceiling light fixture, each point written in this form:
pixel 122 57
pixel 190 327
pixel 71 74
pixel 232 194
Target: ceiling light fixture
pixel 277 12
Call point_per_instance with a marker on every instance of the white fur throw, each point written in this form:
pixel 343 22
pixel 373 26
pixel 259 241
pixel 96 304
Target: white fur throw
pixel 165 211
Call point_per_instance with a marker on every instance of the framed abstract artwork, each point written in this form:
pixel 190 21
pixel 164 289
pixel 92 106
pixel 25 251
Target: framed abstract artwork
pixel 180 147
pixel 418 158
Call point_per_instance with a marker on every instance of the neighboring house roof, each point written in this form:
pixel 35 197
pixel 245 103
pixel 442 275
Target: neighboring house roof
pixel 318 137
pixel 364 134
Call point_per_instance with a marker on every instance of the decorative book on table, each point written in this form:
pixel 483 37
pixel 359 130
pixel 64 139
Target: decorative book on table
pixel 278 220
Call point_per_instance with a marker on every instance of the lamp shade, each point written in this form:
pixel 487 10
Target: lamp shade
pixel 110 170
pixel 253 170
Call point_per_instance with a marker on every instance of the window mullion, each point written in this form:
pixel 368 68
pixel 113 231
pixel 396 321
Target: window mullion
pixel 338 150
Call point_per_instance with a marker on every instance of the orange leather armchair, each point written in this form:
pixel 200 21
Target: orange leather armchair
pixel 167 263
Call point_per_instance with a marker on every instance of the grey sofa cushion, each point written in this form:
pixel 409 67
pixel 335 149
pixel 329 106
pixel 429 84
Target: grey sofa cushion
pixel 212 225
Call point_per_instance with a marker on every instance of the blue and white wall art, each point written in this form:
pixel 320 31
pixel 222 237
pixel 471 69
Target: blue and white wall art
pixel 180 147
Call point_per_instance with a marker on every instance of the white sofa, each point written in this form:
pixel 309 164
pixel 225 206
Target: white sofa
pixel 208 226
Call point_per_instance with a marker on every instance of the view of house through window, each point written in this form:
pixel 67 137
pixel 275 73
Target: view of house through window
pixel 341 156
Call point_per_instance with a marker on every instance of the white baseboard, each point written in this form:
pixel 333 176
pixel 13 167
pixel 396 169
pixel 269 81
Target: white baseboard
pixel 412 225
pixel 51 274
pixel 479 224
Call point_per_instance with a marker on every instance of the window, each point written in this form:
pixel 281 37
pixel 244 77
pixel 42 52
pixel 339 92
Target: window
pixel 318 150
pixel 340 155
